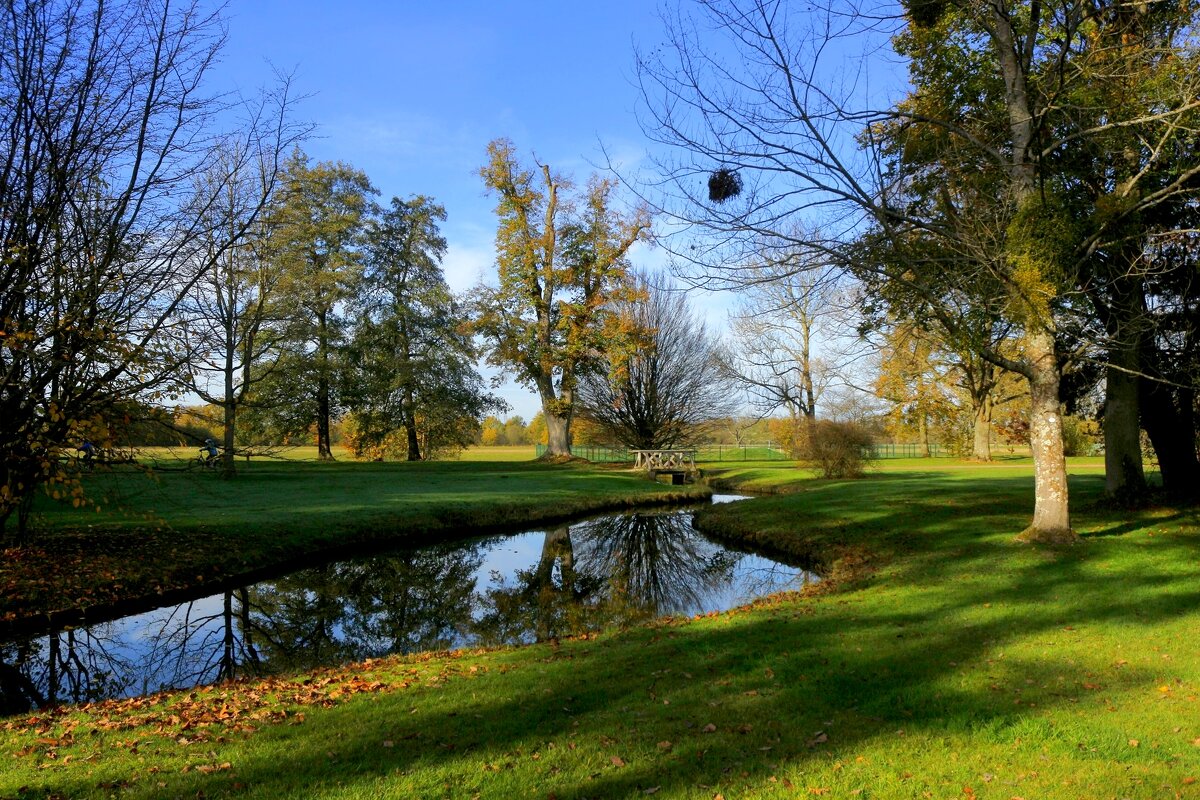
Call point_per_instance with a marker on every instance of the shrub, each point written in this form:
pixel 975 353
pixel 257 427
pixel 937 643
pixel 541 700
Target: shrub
pixel 1079 436
pixel 837 449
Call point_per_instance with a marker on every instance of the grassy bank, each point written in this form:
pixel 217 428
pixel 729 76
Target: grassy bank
pixel 939 661
pixel 176 529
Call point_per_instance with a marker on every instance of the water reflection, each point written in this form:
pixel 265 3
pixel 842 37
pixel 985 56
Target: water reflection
pixel 533 587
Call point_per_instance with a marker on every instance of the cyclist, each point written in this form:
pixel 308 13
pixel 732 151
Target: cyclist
pixel 89 453
pixel 209 453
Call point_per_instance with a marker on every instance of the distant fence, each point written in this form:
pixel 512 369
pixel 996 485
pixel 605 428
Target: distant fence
pixel 708 452
pixel 886 450
pixel 748 452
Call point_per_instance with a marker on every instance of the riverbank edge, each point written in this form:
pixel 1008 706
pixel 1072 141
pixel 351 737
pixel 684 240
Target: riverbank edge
pixel 837 564
pixel 373 537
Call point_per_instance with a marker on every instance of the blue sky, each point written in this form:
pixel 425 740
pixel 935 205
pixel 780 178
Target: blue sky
pixel 412 92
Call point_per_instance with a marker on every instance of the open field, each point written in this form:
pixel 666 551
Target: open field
pixel 516 452
pixel 938 660
pixel 173 456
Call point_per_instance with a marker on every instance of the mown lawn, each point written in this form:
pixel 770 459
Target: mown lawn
pixel 938 660
pixel 173 528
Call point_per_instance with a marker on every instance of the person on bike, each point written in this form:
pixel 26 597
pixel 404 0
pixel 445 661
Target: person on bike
pixel 211 453
pixel 89 453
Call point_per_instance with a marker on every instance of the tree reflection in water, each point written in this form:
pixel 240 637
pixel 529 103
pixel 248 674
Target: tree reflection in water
pixel 592 575
pixel 402 603
pixel 606 572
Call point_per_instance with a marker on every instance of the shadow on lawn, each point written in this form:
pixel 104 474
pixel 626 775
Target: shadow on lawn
pixel 926 658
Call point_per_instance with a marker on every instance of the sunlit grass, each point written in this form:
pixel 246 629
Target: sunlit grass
pixel 940 660
pixel 516 452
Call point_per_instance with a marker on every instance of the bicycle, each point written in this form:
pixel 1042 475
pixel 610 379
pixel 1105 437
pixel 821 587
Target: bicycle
pixel 209 458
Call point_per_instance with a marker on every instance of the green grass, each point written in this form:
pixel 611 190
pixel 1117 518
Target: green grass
pixel 939 660
pixel 516 452
pixel 174 530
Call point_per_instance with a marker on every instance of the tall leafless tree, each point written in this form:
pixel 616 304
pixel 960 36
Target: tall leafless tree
pixel 670 388
pixel 105 124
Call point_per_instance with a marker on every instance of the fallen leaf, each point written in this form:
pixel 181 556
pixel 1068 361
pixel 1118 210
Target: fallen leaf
pixel 617 762
pixel 709 728
pixel 1133 742
pixel 820 737
pixel 651 790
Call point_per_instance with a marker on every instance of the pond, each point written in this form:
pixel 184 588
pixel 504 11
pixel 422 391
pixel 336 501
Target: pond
pixel 537 586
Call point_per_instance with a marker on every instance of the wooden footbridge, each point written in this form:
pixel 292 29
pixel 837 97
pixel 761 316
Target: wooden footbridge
pixel 680 465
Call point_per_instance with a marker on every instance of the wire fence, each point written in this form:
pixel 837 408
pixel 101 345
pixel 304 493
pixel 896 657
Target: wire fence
pixel 708 452
pixel 748 452
pixel 910 450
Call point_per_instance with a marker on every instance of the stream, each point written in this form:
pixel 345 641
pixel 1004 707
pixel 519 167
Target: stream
pixel 595 574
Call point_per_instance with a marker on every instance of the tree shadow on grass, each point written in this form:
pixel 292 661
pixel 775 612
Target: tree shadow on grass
pixel 927 649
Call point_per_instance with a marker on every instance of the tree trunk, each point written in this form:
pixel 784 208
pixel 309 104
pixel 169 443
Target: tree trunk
pixel 414 444
pixel 324 450
pixel 1123 475
pixel 1170 424
pixel 558 425
pixel 981 447
pixel 922 435
pixel 1124 322
pixel 229 406
pixel 228 470
pixel 558 434
pixel 1051 514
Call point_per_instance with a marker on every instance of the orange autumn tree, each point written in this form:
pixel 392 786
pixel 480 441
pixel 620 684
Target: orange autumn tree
pixel 562 262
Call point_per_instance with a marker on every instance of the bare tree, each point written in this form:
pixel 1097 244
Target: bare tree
pixel 104 129
pixel 670 388
pixel 794 334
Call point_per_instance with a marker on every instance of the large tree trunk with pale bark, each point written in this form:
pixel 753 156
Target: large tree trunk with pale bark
pixel 558 434
pixel 1051 514
pixel 558 422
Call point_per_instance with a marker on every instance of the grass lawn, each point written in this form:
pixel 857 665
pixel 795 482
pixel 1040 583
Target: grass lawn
pixel 515 452
pixel 175 529
pixel 939 660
